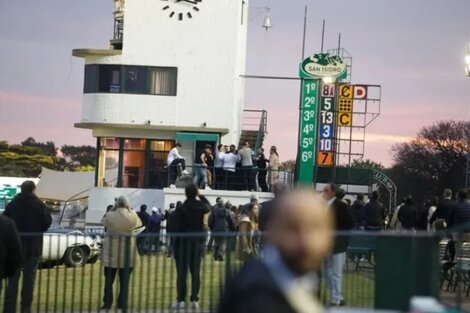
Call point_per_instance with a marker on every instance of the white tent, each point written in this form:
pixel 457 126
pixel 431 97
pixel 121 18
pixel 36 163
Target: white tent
pixel 65 186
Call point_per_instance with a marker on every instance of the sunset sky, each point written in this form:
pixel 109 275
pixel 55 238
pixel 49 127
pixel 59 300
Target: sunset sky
pixel 413 49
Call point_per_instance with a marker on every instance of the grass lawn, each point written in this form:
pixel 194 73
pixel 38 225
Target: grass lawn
pixel 152 287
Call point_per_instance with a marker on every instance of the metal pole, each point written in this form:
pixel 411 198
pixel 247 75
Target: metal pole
pixel 322 36
pixel 305 31
pixel 339 42
pixel 297 163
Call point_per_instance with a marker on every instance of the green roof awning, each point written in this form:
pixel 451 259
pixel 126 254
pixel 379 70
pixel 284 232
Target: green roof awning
pixel 197 137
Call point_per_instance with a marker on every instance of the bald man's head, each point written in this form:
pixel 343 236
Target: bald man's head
pixel 301 228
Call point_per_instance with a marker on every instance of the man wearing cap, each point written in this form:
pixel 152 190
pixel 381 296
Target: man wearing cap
pixel 155 222
pixel 32 217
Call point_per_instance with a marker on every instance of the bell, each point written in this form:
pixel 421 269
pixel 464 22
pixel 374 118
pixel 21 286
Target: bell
pixel 267 23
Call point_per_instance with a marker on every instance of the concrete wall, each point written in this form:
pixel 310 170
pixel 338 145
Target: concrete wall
pixel 209 51
pixel 100 198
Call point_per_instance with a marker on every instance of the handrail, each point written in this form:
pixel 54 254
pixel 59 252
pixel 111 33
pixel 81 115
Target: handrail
pixel 262 124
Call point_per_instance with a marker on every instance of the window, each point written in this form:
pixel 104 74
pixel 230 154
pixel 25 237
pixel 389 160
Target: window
pixel 91 79
pixel 163 81
pixel 108 162
pixel 135 79
pixel 105 78
pixel 109 78
pixel 133 163
pixel 158 175
pixel 142 163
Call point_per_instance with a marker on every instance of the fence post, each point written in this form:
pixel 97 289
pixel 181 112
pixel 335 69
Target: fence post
pixel 405 266
pixel 127 272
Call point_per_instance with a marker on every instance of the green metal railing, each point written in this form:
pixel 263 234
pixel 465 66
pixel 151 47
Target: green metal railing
pixel 383 270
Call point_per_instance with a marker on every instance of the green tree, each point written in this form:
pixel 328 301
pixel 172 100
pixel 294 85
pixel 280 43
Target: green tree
pixel 433 161
pixel 288 165
pixel 79 158
pixel 367 163
pixel 48 147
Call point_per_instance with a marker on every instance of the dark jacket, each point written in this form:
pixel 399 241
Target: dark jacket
pixel 374 213
pixel 460 215
pixel 359 213
pixel 31 216
pixel 190 216
pixel 265 214
pixel 344 221
pixel 155 222
pixel 145 219
pixel 422 218
pixel 220 220
pixel 253 290
pixel 442 211
pixel 408 216
pixel 10 248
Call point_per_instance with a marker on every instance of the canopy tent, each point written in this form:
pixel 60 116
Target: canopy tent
pixel 65 186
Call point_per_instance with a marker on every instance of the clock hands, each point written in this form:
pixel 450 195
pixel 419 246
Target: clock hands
pixel 188 1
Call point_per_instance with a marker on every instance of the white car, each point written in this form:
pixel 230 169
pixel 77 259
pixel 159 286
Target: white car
pixel 73 248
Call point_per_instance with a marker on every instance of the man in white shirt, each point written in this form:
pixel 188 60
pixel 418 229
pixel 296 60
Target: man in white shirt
pixel 246 157
pixel 176 163
pixel 230 164
pixel 219 168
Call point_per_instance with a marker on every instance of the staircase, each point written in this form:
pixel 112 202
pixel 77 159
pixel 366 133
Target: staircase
pixel 254 128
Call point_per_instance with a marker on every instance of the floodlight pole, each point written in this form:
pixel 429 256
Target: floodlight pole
pixel 297 159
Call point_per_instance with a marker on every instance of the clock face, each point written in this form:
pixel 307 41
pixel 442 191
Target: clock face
pixel 181 9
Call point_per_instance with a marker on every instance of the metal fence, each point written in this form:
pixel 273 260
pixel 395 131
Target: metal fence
pixel 71 276
pixel 256 179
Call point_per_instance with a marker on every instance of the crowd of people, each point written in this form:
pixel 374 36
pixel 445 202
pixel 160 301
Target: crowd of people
pixel 227 168
pixel 434 214
pixel 286 244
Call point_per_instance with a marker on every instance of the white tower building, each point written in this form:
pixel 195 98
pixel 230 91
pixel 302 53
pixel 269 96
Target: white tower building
pixel 171 74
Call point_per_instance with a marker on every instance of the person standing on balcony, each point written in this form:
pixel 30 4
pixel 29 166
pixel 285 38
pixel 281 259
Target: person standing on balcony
pixel 31 217
pixel 119 251
pixel 204 159
pixel 10 249
pixel 334 264
pixel 247 166
pixel 176 163
pixel 230 165
pixel 274 164
pixel 262 163
pixel 219 168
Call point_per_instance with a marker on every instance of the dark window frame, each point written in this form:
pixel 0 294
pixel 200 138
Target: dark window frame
pixel 94 80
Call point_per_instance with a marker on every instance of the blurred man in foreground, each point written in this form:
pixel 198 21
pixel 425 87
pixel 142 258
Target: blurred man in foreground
pixel 300 236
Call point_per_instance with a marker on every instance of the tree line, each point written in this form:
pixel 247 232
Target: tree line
pixel 27 158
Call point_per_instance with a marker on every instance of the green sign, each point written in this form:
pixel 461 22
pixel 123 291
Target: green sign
pixel 323 65
pixel 308 130
pixel 8 192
